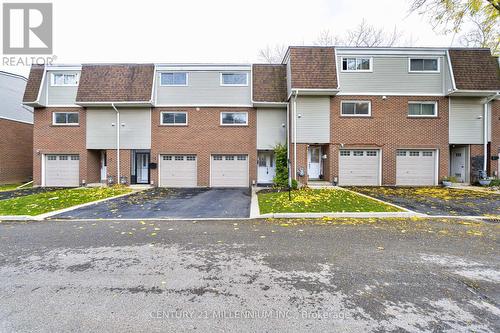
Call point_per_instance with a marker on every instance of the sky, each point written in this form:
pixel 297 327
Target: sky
pixel 216 31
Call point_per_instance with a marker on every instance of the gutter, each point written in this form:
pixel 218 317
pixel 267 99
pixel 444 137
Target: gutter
pixel 295 134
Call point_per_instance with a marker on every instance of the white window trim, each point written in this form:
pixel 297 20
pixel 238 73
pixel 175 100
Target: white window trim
pixel 167 124
pixel 222 84
pixel 222 124
pixel 435 115
pixel 423 71
pixel 53 83
pixel 356 70
pixel 356 115
pixel 65 124
pixel 175 85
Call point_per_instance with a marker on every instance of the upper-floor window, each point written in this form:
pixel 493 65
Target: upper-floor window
pixel 234 79
pixel 174 79
pixel 356 108
pixel 422 109
pixel 234 118
pixel 65 118
pixel 357 64
pixel 420 65
pixel 174 118
pixel 63 79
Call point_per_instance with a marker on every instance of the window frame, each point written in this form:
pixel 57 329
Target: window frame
pixel 424 71
pixel 435 115
pixel 65 124
pixel 174 124
pixel 54 84
pixel 223 112
pixel 222 84
pixel 370 70
pixel 175 85
pixel 356 115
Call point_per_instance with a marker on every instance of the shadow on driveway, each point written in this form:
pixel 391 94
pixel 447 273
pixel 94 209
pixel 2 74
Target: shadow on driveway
pixel 186 203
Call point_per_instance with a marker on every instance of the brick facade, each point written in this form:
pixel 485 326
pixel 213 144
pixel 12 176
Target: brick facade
pixel 16 147
pixel 204 136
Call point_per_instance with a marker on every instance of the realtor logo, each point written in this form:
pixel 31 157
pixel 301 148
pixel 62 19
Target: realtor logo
pixel 27 28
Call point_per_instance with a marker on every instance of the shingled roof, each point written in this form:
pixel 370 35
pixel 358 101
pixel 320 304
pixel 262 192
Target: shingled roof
pixel 115 83
pixel 475 69
pixel 33 84
pixel 313 67
pixel 269 82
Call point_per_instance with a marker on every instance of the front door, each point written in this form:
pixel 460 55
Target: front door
pixel 142 167
pixel 104 172
pixel 314 162
pixel 266 167
pixel 458 164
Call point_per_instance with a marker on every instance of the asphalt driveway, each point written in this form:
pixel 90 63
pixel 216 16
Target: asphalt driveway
pixel 188 203
pixel 438 200
pixel 342 275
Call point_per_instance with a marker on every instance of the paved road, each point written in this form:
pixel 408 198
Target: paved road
pixel 171 203
pixel 175 276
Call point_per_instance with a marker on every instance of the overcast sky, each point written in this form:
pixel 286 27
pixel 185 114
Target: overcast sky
pixel 213 30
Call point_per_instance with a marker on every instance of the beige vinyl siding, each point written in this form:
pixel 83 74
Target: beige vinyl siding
pixel 203 89
pixel 466 120
pixel 270 130
pixel 313 126
pixel 135 128
pixel 60 95
pixel 390 75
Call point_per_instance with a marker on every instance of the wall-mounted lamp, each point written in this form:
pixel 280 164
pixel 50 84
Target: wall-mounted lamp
pixel 384 97
pixel 283 125
pixel 113 124
pixel 123 124
pixel 341 145
pixel 38 151
pixel 299 115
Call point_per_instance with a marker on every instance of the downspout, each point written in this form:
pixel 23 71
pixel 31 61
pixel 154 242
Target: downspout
pixel 117 143
pixel 288 144
pixel 485 136
pixel 295 135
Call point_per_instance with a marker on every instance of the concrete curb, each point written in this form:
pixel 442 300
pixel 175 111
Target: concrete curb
pixel 342 215
pixel 379 200
pixel 254 204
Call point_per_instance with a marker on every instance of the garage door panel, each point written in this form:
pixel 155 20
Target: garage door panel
pixel 415 167
pixel 359 167
pixel 62 170
pixel 178 171
pixel 229 171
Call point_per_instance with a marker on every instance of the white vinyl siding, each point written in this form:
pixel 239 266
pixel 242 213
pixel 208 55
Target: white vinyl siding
pixel 135 128
pixel 178 170
pixel 270 129
pixel 466 120
pixel 60 94
pixel 359 167
pixel 313 119
pixel 62 170
pixel 229 171
pixel 416 167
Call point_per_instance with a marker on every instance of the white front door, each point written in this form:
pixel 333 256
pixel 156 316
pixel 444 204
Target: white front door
pixel 458 161
pixel 266 167
pixel 142 160
pixel 314 162
pixel 104 172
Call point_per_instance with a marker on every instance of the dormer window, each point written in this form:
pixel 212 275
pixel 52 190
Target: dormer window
pixel 63 79
pixel 234 79
pixel 356 64
pixel 174 79
pixel 424 65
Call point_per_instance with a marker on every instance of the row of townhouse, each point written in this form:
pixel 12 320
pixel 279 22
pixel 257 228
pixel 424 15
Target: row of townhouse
pixel 352 116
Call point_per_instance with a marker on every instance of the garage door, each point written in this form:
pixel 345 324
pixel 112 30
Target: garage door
pixel 359 167
pixel 229 171
pixel 415 167
pixel 62 170
pixel 178 171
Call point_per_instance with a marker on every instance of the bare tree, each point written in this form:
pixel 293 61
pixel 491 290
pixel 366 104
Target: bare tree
pixel 484 34
pixel 366 35
pixel 273 54
pixel 327 38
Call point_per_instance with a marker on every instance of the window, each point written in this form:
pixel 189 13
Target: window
pixel 414 153
pixel 422 109
pixel 424 65
pixel 75 157
pixel 427 153
pixel 401 153
pixel 356 64
pixel 234 79
pixel 174 118
pixel 65 118
pixel 244 158
pixel 357 153
pixel 217 157
pixel 173 79
pixel 179 158
pixel 52 157
pixel 229 158
pixel 61 79
pixel 190 158
pixel 345 153
pixel 356 108
pixel 167 158
pixel 371 153
pixel 234 118
pixel 63 158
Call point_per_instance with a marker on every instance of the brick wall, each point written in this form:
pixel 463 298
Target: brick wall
pixel 125 166
pixel 204 136
pixel 16 148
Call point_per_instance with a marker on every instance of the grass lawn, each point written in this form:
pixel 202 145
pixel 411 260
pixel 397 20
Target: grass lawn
pixel 319 201
pixel 9 187
pixel 40 203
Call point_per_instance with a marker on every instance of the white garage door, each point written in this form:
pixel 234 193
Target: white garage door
pixel 359 167
pixel 62 170
pixel 415 167
pixel 178 171
pixel 229 171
